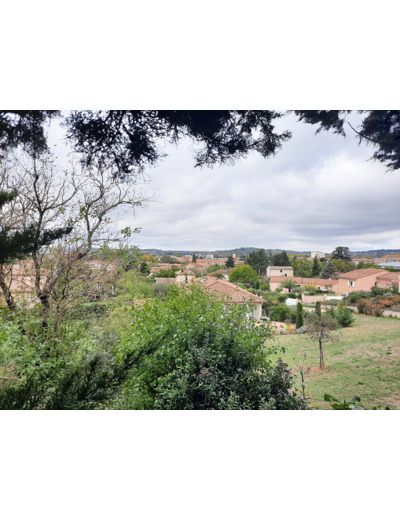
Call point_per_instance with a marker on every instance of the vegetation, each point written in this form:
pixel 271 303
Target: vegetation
pixel 299 315
pixel 258 260
pixel 363 361
pixel 194 355
pixel 230 263
pixel 243 274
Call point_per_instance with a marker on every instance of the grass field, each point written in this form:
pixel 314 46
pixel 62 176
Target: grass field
pixel 364 361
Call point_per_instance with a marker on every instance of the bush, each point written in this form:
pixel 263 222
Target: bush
pixel 197 355
pixel 345 317
pixel 353 297
pixel 281 313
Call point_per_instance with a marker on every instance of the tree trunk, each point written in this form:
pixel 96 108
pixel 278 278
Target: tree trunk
pixel 321 355
pixel 6 292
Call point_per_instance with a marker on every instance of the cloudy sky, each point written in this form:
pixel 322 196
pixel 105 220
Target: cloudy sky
pixel 319 192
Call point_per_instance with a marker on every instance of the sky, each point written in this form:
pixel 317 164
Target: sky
pixel 319 192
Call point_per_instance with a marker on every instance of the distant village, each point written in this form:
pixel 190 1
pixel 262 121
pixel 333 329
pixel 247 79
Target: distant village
pixel 241 280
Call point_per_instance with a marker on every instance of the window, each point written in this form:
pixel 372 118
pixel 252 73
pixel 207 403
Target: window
pixel 350 283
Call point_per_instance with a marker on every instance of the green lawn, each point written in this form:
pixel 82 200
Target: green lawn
pixel 364 361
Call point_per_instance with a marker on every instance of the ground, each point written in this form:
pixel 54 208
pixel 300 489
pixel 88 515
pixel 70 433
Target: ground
pixel 364 361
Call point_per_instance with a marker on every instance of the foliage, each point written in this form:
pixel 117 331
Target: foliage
pixel 354 296
pixel 128 140
pixel 258 260
pixel 302 268
pixel 280 259
pixel 281 313
pixel 194 258
pixel 329 271
pixel 167 259
pixel 299 315
pixel 288 284
pixel 243 274
pixel 199 355
pixel 341 253
pixel 167 273
pixel 212 268
pixel 344 315
pixel 144 268
pixel 353 404
pixel 230 262
pixel 316 268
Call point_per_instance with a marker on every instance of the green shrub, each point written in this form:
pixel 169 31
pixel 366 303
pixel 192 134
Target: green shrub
pixel 353 297
pixel 198 355
pixel 281 313
pixel 299 315
pixel 345 317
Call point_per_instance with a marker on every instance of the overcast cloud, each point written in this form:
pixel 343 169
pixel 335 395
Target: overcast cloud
pixel 317 193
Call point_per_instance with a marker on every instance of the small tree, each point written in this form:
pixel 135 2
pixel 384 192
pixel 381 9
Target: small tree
pixel 194 258
pixel 230 262
pixel 344 315
pixel 316 268
pixel 243 274
pixel 319 327
pixel 299 315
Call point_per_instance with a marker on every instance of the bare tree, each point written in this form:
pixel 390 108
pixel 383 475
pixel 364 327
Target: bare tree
pixel 319 328
pixel 71 213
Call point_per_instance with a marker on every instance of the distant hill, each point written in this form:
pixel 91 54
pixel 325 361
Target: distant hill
pixel 244 251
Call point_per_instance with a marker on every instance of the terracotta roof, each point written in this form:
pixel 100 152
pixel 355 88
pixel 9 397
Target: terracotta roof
pixel 301 280
pixel 390 277
pixel 224 288
pixel 360 273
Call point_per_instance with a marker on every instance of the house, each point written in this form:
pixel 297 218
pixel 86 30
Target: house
pixel 363 280
pixel 279 270
pixel 206 262
pixel 317 254
pixel 388 280
pixel 234 295
pixel 298 281
pixel 390 258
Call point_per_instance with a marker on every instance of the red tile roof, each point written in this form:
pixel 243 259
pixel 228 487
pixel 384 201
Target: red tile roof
pixel 233 292
pixel 302 281
pixel 361 273
pixel 390 277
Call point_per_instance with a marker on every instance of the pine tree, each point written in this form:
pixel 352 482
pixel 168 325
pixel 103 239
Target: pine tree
pixel 316 268
pixel 341 253
pixel 230 262
pixel 329 271
pixel 194 258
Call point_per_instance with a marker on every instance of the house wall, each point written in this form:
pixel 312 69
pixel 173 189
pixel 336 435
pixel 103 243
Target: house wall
pixel 306 298
pixel 279 271
pixel 362 284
